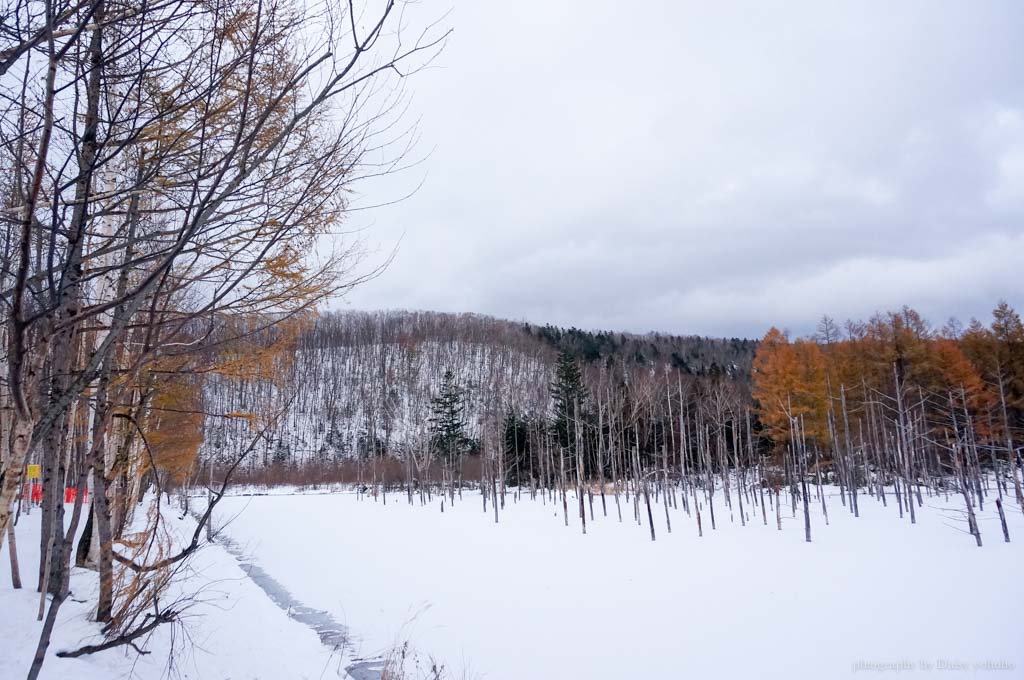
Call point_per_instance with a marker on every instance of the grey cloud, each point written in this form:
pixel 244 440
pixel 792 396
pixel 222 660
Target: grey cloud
pixel 690 167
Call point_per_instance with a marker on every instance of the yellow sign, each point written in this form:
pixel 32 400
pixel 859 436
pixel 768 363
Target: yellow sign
pixel 33 472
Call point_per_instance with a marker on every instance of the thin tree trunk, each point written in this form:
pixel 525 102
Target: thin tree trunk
pixel 12 549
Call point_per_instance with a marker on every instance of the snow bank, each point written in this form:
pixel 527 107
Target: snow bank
pixel 234 631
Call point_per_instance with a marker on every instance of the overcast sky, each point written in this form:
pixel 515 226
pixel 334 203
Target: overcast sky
pixel 712 168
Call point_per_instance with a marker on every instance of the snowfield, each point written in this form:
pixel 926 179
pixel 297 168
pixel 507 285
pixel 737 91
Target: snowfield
pixel 233 631
pixel 531 598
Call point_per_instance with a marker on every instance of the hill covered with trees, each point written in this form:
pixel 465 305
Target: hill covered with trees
pixel 368 380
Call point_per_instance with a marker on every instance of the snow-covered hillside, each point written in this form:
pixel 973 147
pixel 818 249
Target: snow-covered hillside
pixel 362 382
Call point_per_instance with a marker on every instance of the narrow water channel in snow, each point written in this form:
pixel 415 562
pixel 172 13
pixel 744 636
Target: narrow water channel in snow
pixel 332 634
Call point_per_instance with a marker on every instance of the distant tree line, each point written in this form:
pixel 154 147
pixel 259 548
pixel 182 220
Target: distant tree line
pixel 692 355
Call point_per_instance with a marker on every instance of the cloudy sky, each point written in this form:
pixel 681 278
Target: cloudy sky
pixel 712 168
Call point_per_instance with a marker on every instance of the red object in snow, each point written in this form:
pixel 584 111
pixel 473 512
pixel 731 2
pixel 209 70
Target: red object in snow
pixel 71 493
pixel 34 492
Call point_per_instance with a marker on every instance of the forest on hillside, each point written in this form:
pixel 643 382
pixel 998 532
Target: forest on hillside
pixel 414 401
pixel 368 380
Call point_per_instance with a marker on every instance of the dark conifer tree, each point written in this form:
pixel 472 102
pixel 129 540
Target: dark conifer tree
pixel 447 422
pixel 569 396
pixel 1008 330
pixel 516 446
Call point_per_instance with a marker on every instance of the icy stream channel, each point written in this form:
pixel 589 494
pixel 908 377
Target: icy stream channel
pixel 332 634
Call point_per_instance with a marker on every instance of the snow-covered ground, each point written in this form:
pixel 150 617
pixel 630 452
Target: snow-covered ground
pixel 532 598
pixel 234 631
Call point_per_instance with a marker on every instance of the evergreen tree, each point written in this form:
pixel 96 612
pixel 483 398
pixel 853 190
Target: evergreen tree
pixel 516 446
pixel 1008 332
pixel 282 452
pixel 447 422
pixel 569 396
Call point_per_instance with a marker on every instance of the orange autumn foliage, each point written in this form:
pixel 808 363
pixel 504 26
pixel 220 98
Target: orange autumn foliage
pixel 790 381
pixel 801 378
pixel 175 427
pixel 263 353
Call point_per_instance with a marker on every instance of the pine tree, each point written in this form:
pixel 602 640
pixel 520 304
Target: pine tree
pixel 516 446
pixel 282 452
pixel 447 422
pixel 1008 332
pixel 569 396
